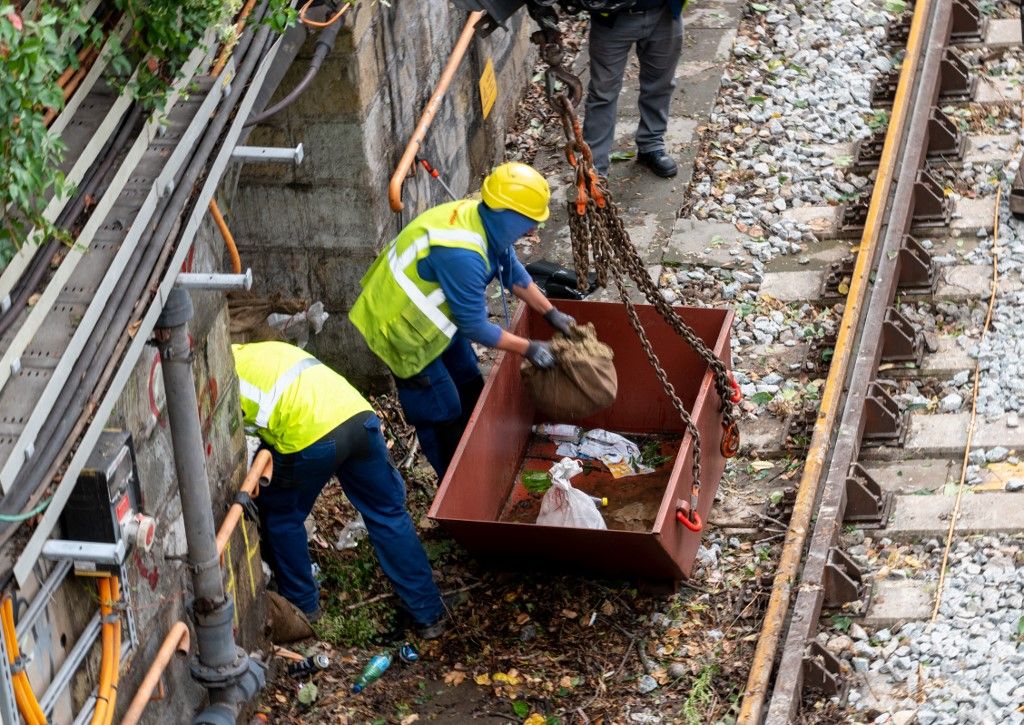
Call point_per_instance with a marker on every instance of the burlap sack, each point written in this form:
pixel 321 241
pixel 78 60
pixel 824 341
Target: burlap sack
pixel 581 384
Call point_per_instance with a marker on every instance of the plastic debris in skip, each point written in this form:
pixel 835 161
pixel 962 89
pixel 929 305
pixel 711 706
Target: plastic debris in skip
pixel 564 505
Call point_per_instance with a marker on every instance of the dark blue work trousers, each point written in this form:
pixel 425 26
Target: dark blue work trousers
pixel 376 489
pixel 439 400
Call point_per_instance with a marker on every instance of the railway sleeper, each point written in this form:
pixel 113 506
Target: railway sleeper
pixel 1017 194
pixel 945 143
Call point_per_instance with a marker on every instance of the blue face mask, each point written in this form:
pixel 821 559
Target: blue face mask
pixel 504 226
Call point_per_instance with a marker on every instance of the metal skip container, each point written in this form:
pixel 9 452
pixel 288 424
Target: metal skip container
pixel 483 480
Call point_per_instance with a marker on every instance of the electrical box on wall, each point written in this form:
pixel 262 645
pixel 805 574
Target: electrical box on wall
pixel 105 505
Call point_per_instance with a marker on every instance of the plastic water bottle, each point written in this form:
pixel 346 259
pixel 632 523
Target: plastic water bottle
pixel 559 432
pixel 372 672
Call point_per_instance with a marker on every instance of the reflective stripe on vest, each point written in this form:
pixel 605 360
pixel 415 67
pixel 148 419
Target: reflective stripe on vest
pixel 404 318
pixel 267 400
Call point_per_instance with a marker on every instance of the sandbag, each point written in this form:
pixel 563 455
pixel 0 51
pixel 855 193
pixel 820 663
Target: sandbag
pixel 582 382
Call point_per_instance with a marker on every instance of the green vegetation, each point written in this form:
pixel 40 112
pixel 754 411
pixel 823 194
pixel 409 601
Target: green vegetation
pixel 37 48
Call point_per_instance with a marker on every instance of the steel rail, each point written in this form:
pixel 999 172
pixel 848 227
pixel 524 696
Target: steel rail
pixel 756 691
pixel 408 161
pixel 21 453
pixel 132 346
pixel 936 23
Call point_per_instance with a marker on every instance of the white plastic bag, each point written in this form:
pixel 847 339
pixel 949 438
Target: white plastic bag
pixel 564 505
pixel 619 454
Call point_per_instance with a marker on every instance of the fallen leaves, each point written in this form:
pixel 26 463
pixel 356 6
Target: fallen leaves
pixel 454 678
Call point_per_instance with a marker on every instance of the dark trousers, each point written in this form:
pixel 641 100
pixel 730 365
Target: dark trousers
pixel 375 488
pixel 658 37
pixel 439 401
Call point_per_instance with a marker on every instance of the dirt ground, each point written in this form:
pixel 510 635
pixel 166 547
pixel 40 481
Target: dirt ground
pixel 535 646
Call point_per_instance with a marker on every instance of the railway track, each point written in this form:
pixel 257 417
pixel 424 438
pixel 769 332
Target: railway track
pixel 862 436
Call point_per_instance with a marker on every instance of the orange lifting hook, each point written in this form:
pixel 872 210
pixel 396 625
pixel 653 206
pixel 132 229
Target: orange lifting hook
pixel 730 440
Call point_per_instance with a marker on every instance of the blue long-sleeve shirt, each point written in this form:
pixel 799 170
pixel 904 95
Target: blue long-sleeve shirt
pixel 463 275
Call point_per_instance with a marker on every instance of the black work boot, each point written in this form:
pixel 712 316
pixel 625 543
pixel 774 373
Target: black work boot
pixel 659 162
pixel 440 626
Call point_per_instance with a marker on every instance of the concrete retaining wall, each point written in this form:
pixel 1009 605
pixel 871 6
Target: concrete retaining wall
pixel 311 231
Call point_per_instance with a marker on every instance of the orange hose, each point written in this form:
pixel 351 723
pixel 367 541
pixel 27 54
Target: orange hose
pixel 431 109
pixel 229 240
pixel 99 714
pixel 115 599
pixel 225 52
pixel 177 639
pixel 321 24
pixel 262 467
pixel 28 705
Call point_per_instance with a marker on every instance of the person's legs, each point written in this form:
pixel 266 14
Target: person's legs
pixel 658 53
pixel 283 506
pixel 431 404
pixel 461 363
pixel 376 489
pixel 609 50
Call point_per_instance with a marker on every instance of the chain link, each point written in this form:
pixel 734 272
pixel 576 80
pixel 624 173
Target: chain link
pixel 600 238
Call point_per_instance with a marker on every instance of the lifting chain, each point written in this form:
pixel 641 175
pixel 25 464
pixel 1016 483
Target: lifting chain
pixel 599 237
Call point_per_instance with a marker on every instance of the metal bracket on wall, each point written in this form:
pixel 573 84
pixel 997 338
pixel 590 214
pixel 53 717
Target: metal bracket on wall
pixel 822 671
pixel 917 270
pixel 883 421
pixel 866 504
pixel 85 552
pixel 843 582
pixel 267 154
pixel 901 340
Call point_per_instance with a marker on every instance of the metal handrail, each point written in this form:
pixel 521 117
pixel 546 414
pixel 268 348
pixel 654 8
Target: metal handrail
pixel 408 160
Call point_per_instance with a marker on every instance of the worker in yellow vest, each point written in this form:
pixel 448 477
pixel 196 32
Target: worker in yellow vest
pixel 423 302
pixel 316 425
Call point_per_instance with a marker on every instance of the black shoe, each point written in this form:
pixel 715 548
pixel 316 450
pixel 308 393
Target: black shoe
pixel 440 626
pixel 659 162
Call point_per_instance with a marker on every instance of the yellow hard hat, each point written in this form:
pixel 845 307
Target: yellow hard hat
pixel 517 187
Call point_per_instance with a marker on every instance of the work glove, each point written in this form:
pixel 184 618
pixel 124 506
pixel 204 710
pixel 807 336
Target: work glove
pixel 560 321
pixel 539 353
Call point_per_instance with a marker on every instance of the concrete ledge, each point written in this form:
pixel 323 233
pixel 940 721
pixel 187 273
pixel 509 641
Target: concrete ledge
pixel 945 434
pixel 802 285
pixel 824 221
pixel 913 475
pixel 988 148
pixel 900 600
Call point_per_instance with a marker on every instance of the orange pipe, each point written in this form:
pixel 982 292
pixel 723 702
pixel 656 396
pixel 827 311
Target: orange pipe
pixel 177 640
pixel 322 24
pixel 115 599
pixel 99 713
pixel 225 52
pixel 262 467
pixel 752 708
pixel 28 705
pixel 408 159
pixel 229 240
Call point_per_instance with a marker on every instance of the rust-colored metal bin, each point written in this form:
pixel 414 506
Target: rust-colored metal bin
pixel 482 475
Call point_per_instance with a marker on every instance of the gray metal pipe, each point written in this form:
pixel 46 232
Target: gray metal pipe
pixel 189 458
pixel 214 281
pixel 230 676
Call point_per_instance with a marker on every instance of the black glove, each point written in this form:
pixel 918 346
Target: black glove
pixel 539 353
pixel 560 321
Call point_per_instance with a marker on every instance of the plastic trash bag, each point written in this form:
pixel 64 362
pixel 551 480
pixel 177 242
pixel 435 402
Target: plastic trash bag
pixel 564 505
pixel 352 534
pixel 618 453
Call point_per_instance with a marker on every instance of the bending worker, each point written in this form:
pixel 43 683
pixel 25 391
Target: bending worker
pixel 424 300
pixel 317 425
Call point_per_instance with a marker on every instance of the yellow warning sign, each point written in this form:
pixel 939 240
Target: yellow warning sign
pixel 488 88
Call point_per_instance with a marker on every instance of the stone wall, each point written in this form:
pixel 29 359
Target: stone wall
pixel 159 582
pixel 311 231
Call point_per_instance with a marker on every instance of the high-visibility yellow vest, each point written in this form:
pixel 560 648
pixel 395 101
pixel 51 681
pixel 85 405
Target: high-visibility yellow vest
pixel 291 398
pixel 404 318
